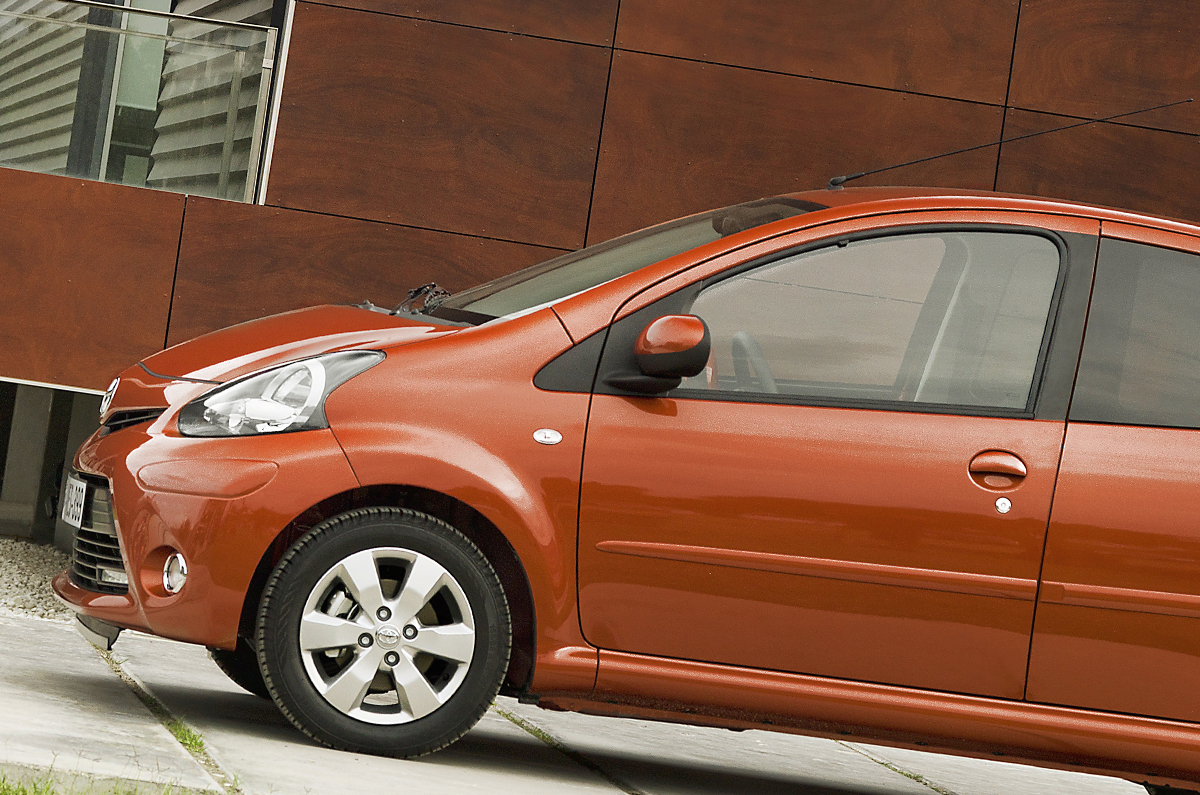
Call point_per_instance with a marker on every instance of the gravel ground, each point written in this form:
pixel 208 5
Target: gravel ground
pixel 25 573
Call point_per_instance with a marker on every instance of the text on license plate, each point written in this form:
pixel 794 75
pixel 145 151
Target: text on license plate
pixel 73 498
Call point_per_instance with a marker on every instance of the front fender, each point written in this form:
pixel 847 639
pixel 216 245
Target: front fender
pixel 457 416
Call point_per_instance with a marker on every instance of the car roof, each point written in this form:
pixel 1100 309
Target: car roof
pixel 870 200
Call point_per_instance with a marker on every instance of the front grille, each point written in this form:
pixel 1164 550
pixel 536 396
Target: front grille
pixel 96 548
pixel 127 419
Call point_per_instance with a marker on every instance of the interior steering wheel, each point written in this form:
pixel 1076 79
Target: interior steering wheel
pixel 750 365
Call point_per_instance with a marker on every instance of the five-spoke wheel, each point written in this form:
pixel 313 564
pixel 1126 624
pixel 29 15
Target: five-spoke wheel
pixel 384 630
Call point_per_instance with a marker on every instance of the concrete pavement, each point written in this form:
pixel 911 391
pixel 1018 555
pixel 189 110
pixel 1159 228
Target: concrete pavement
pixel 61 705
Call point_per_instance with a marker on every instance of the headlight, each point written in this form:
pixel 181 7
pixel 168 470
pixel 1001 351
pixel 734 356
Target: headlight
pixel 290 397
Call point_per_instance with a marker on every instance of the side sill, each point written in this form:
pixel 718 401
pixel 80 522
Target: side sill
pixel 1130 746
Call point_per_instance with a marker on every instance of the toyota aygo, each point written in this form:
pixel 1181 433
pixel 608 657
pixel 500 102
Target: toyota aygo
pixel 912 467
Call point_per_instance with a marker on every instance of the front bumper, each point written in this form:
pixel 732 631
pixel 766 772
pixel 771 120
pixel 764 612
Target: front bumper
pixel 219 502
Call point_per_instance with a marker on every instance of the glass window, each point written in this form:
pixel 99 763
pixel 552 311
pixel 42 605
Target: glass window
pixel 553 280
pixel 947 318
pixel 1141 350
pixel 137 94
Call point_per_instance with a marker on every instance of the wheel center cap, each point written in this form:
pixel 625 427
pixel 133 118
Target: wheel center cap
pixel 387 636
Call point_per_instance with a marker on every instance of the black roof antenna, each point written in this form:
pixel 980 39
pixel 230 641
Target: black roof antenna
pixel 837 182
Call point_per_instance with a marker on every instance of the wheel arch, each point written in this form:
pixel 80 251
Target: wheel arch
pixel 469 521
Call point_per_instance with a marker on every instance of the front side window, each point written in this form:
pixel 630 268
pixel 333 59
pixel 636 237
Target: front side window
pixel 952 318
pixel 1141 350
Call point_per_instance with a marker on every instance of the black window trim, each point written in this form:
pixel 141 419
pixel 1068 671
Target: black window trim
pixel 1033 409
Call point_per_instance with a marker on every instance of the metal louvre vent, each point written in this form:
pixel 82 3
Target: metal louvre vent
pixel 40 62
pixel 210 105
pixel 96 563
pixel 153 96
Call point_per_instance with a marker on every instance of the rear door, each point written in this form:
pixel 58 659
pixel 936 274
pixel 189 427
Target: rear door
pixel 1118 616
pixel 809 505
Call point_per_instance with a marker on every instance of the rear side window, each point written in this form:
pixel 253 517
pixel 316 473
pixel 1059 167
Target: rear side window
pixel 1141 350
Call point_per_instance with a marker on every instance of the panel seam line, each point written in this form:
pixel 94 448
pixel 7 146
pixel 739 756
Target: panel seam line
pixel 612 55
pixel 175 273
pixel 418 227
pixel 1012 61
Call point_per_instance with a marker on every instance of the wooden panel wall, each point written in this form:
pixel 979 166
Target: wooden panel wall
pixel 439 126
pixel 697 103
pixel 1095 58
pixel 238 262
pixel 950 48
pixel 85 275
pixel 1116 165
pixel 584 21
pixel 683 136
pixel 461 139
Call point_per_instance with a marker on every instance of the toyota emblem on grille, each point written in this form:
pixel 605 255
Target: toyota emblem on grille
pixel 106 401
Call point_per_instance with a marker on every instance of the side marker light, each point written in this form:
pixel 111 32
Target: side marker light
pixel 547 436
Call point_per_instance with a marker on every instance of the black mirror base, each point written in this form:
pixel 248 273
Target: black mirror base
pixel 642 384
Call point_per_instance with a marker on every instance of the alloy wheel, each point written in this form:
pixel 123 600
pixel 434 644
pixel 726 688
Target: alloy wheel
pixel 387 635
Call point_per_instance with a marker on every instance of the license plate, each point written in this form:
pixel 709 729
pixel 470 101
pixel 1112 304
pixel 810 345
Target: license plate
pixel 73 498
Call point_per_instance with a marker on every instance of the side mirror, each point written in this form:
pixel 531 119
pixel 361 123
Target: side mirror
pixel 669 349
pixel 673 346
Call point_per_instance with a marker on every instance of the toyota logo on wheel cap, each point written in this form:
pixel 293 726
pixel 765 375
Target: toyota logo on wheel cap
pixel 388 636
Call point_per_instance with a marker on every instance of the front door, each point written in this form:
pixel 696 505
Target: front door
pixel 859 486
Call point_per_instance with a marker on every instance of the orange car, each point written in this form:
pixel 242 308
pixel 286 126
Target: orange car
pixel 914 467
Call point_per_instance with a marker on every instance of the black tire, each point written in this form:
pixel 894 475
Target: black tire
pixel 241 665
pixel 300 589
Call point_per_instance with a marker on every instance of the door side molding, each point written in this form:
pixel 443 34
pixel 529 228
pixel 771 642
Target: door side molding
pixel 849 570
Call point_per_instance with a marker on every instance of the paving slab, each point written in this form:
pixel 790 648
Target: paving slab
pixel 669 759
pixel 40 781
pixel 666 759
pixel 250 739
pixel 62 708
pixel 988 777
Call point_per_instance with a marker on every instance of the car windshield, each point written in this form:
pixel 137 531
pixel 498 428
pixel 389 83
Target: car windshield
pixel 581 270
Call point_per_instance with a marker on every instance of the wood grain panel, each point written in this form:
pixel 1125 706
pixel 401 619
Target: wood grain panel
pixel 439 126
pixel 86 271
pixel 681 137
pixel 586 21
pixel 238 262
pixel 1095 58
pixel 1136 169
pixel 953 48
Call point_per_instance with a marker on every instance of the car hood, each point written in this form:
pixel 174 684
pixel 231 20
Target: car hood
pixel 237 350
pixel 196 365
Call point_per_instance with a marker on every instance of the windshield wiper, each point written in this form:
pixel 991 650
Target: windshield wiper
pixel 431 296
